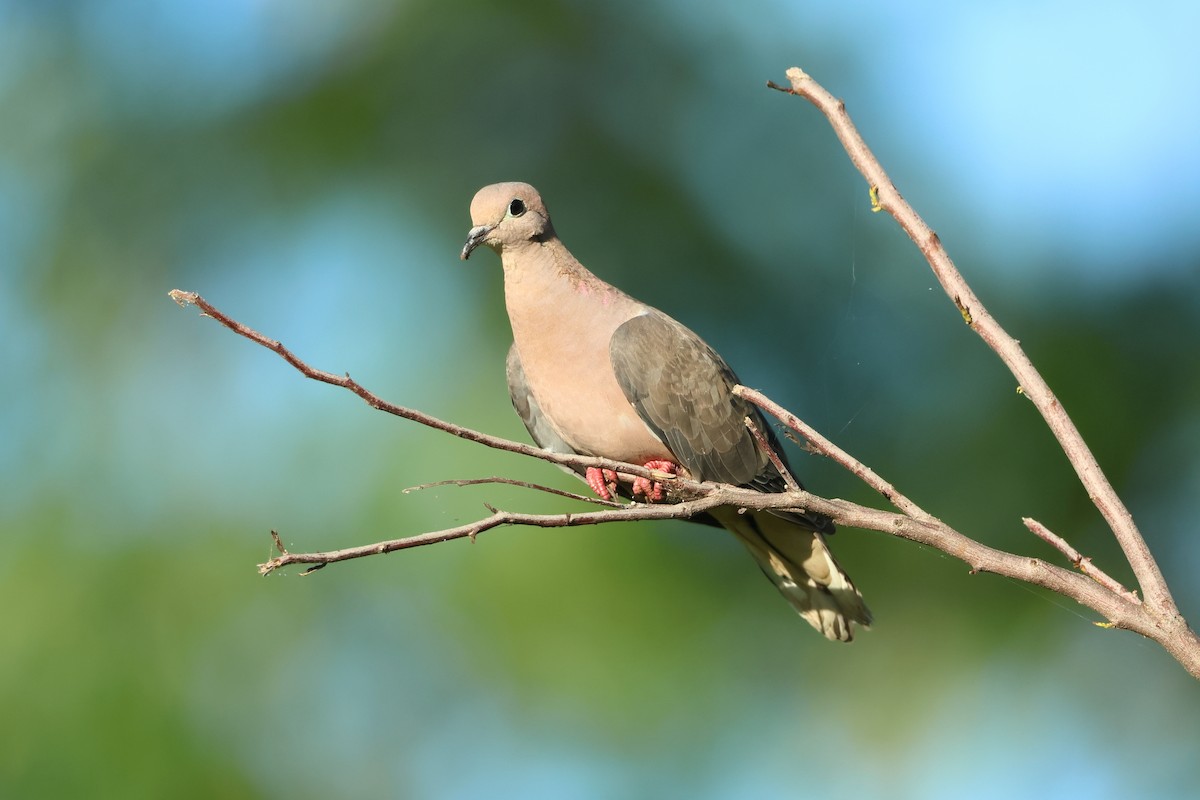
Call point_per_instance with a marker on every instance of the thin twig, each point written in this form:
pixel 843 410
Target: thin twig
pixel 1079 561
pixel 513 482
pixel 472 529
pixel 771 455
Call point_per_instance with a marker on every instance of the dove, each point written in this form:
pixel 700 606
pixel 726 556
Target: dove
pixel 593 371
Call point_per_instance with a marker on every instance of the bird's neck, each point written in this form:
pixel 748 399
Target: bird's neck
pixel 560 312
pixel 543 279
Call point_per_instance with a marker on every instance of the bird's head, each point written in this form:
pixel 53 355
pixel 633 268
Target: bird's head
pixel 507 215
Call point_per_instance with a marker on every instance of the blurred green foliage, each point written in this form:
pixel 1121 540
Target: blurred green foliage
pixel 308 170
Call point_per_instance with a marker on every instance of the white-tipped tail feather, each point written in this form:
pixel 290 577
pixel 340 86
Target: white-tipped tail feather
pixel 799 563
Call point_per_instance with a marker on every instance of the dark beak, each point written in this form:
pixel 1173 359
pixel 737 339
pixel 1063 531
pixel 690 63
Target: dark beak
pixel 474 239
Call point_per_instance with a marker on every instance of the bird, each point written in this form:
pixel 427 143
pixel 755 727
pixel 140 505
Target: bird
pixel 593 371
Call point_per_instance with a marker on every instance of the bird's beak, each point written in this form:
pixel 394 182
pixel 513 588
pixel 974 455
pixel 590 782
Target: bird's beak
pixel 474 239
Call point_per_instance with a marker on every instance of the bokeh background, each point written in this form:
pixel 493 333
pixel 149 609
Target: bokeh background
pixel 308 167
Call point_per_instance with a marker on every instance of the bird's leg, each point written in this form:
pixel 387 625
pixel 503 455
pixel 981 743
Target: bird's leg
pixel 652 490
pixel 602 481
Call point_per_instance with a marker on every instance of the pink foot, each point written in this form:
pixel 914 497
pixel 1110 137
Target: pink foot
pixel 602 481
pixel 652 490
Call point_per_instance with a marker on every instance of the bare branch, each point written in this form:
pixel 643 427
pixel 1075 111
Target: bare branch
pixel 1080 562
pixel 885 195
pixel 1168 626
pixel 936 534
pixel 472 529
pixel 771 455
pixel 346 382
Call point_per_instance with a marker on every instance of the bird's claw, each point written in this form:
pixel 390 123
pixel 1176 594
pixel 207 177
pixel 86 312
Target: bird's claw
pixel 602 481
pixel 652 490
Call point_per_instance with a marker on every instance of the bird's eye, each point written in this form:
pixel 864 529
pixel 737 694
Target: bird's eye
pixel 516 208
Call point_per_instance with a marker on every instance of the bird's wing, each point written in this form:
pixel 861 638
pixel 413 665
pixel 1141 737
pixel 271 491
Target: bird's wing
pixel 683 391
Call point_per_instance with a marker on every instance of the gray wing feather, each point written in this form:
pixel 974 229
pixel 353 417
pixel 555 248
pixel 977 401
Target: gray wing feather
pixel 683 390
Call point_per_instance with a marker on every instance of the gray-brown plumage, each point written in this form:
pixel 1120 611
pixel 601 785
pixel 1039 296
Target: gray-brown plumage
pixel 593 371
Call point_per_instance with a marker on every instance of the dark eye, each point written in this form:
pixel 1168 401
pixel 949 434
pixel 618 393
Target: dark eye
pixel 516 208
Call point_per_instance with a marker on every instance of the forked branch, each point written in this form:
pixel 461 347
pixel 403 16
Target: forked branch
pixel 885 197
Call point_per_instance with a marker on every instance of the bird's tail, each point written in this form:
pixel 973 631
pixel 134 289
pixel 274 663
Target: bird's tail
pixel 799 563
